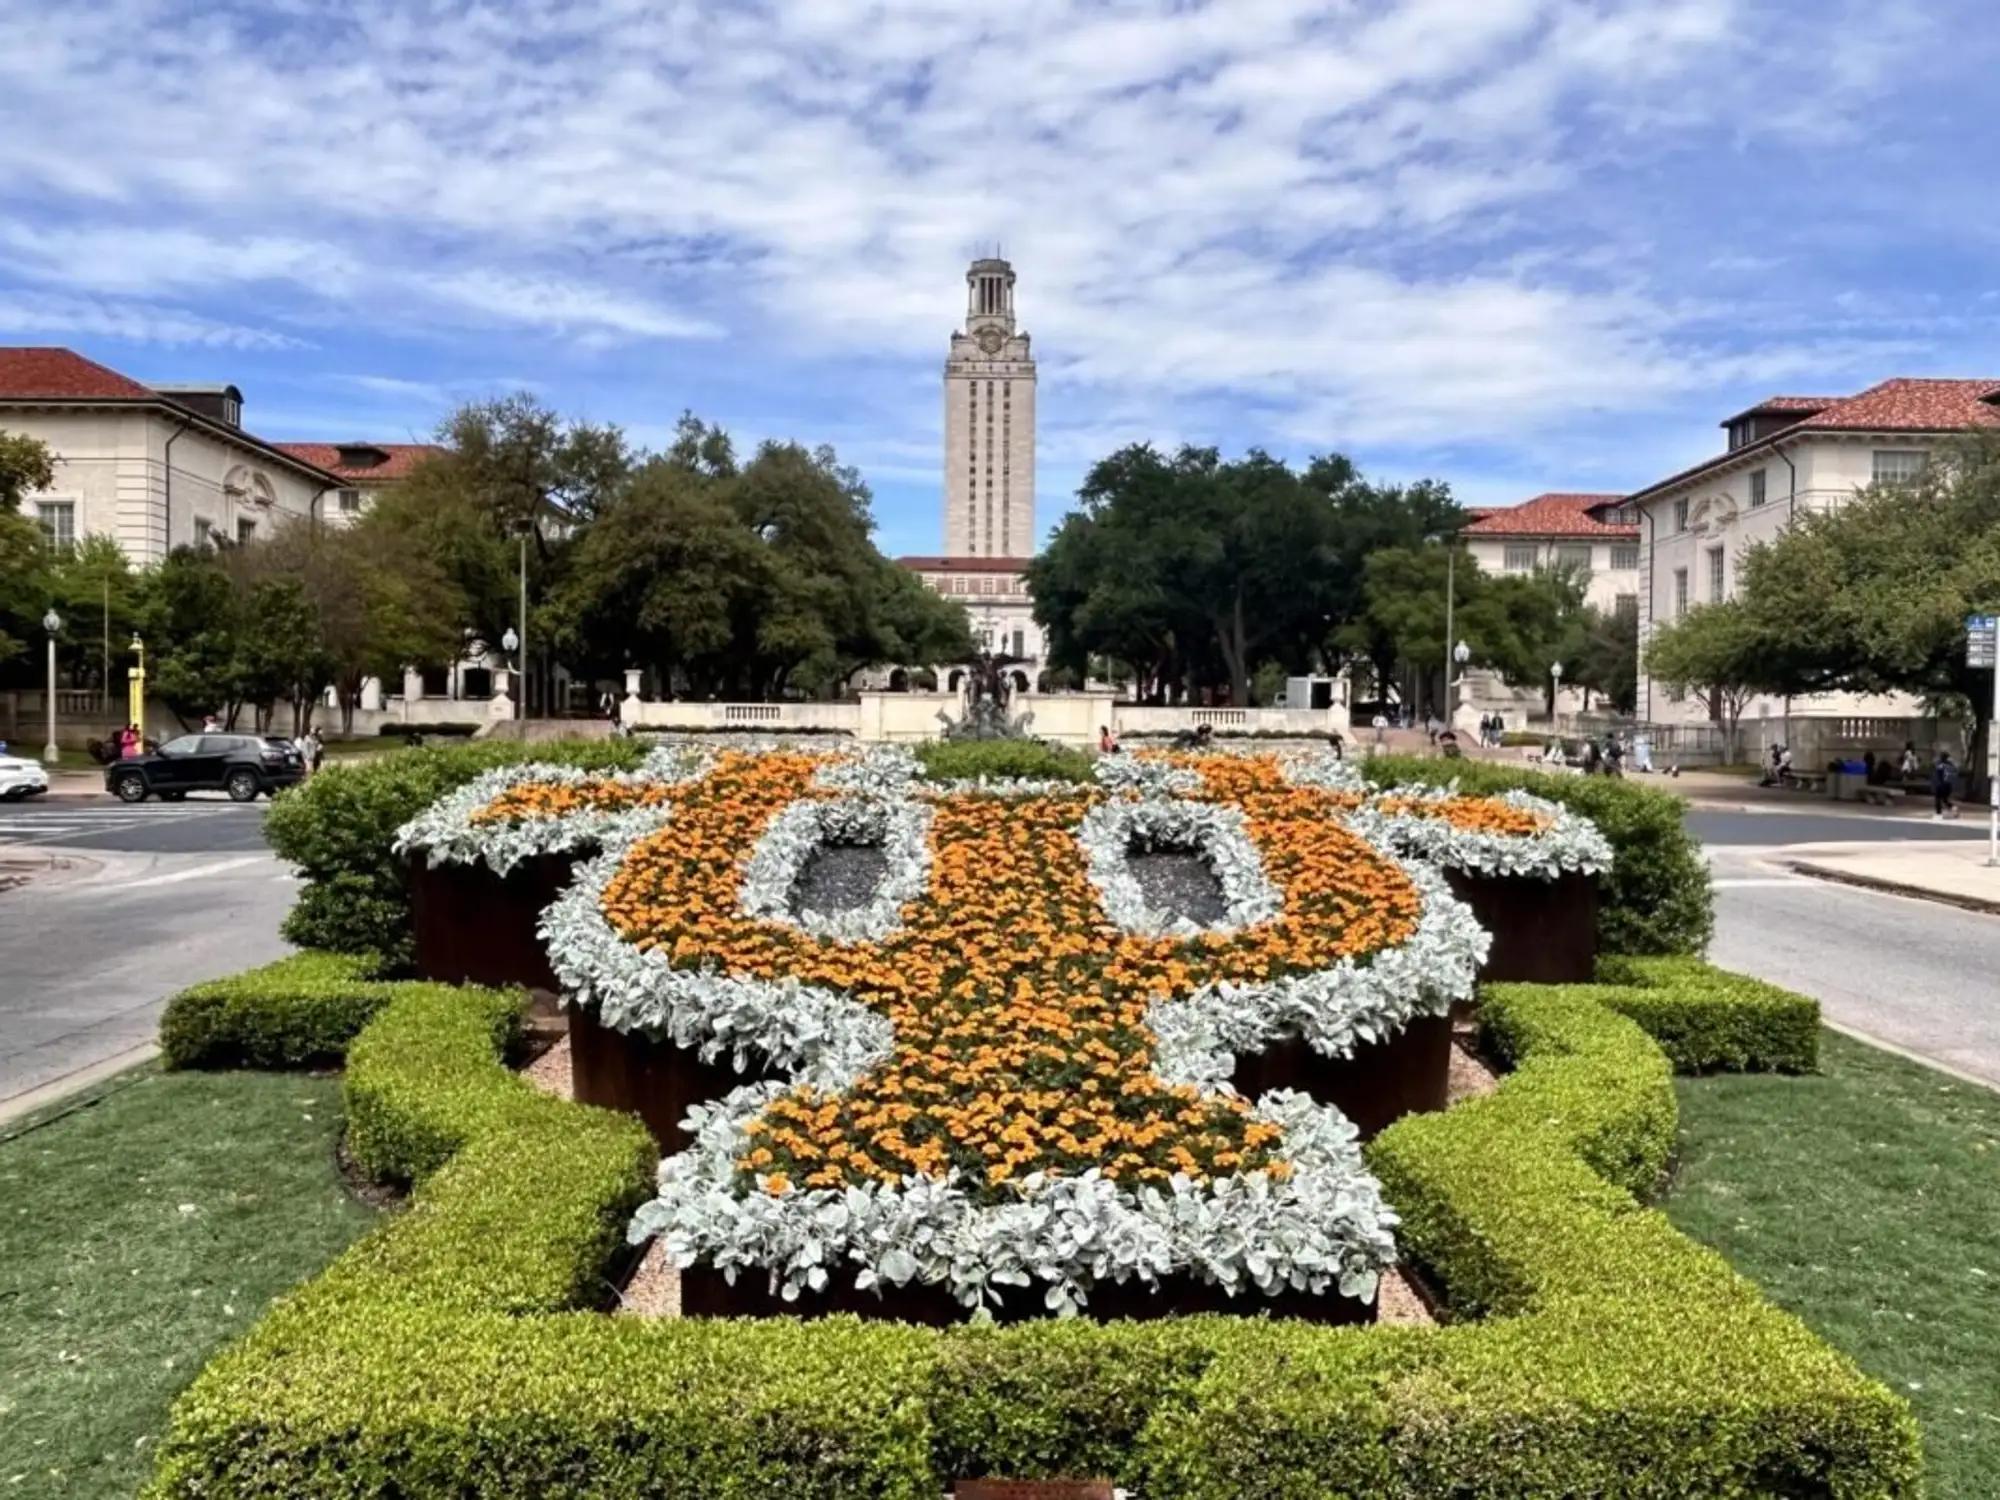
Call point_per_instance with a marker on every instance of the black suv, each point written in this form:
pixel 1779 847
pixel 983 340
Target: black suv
pixel 242 765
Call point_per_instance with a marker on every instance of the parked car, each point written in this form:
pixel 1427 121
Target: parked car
pixel 21 778
pixel 243 765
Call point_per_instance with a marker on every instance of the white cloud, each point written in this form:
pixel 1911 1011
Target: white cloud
pixel 31 315
pixel 1409 223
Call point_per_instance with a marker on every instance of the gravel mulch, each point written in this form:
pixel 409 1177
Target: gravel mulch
pixel 1180 883
pixel 838 877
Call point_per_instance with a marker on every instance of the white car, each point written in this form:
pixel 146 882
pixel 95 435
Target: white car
pixel 21 778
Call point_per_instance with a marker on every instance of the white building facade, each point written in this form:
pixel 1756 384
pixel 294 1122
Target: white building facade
pixel 154 468
pixel 1785 456
pixel 1594 533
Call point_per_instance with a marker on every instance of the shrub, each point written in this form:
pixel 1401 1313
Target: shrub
pixel 1710 1021
pixel 969 760
pixel 1656 899
pixel 338 827
pixel 298 1012
pixel 442 1355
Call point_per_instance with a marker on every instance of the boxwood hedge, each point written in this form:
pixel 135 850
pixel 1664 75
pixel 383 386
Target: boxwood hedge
pixel 1656 898
pixel 1591 1349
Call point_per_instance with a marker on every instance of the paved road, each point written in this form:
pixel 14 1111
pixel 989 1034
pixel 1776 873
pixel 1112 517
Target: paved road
pixel 1914 974
pixel 200 825
pixel 89 955
pixel 1716 826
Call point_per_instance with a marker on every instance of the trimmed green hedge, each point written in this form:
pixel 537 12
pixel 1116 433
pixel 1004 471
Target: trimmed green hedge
pixel 1656 898
pixel 338 828
pixel 1709 1021
pixel 947 760
pixel 1602 1352
pixel 299 1012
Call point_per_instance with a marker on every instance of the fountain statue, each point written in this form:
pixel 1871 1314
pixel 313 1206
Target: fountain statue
pixel 987 695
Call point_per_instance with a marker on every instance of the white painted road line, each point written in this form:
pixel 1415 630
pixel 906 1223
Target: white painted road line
pixel 1751 883
pixel 197 873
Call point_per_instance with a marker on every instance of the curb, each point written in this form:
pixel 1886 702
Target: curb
pixel 1869 1039
pixel 1895 887
pixel 40 1098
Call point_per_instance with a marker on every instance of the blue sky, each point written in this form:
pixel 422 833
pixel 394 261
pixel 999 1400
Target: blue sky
pixel 1520 245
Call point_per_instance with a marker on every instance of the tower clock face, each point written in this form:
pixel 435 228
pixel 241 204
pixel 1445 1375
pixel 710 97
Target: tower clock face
pixel 991 339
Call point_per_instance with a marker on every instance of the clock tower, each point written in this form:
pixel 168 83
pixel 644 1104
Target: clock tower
pixel 989 424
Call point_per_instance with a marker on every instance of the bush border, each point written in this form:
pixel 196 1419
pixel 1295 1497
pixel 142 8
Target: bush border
pixel 1616 1356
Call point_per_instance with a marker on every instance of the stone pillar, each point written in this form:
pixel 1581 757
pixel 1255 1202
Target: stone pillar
pixel 500 706
pixel 413 689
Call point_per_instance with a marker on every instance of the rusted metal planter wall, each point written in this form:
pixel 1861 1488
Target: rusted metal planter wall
pixel 476 927
pixel 1544 931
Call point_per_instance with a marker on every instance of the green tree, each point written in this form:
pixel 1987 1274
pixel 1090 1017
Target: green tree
pixel 1609 661
pixel 193 624
pixel 27 466
pixel 1194 570
pixel 1715 653
pixel 98 594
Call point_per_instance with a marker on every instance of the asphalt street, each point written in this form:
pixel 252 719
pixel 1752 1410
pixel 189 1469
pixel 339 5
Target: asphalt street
pixel 1914 974
pixel 200 825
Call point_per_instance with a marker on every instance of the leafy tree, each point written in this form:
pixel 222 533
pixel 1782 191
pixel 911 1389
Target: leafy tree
pixel 1192 569
pixel 27 465
pixel 192 623
pixel 1608 664
pixel 1516 624
pixel 1715 653
pixel 98 594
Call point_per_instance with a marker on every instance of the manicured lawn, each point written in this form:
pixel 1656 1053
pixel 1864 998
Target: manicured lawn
pixel 1867 1201
pixel 136 1236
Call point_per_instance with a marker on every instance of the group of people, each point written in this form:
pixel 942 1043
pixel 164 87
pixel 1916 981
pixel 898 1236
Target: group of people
pixel 1593 757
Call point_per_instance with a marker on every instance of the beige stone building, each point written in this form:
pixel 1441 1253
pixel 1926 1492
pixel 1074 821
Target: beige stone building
pixel 1784 456
pixel 1597 534
pixel 154 467
pixel 989 475
pixel 989 424
pixel 365 470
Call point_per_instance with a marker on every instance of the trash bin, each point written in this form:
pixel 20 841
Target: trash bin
pixel 1845 779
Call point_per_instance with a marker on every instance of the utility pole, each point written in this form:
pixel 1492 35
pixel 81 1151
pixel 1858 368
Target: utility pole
pixel 1450 603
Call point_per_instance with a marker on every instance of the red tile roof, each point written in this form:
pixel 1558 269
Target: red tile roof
pixel 64 375
pixel 1938 407
pixel 1551 515
pixel 402 458
pixel 965 564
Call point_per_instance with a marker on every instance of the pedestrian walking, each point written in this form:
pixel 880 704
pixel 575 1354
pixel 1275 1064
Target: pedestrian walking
pixel 315 749
pixel 1907 767
pixel 1944 781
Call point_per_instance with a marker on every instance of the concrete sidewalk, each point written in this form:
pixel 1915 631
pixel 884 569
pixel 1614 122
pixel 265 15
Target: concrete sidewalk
pixel 1953 872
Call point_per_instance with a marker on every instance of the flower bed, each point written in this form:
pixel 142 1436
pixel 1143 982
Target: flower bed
pixel 1526 866
pixel 1006 1068
pixel 1614 1356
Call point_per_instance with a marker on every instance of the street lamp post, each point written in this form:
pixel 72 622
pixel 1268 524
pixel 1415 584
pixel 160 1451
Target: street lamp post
pixel 510 643
pixel 52 622
pixel 1450 605
pixel 1556 676
pixel 136 679
pixel 1460 655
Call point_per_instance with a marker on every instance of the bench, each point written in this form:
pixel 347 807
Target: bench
pixel 1883 796
pixel 1806 781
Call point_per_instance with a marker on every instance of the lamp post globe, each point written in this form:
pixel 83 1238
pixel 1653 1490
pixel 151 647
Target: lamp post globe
pixel 51 622
pixel 510 642
pixel 1461 653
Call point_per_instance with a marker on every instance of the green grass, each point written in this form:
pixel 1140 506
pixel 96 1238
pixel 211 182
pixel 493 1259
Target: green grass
pixel 1867 1201
pixel 140 1233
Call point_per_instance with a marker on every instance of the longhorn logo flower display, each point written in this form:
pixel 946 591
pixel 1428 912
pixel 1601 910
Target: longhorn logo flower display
pixel 1006 1068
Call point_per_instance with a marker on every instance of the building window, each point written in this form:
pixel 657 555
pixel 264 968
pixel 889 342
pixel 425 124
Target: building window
pixel 1573 555
pixel 1626 606
pixel 1757 496
pixel 986 584
pixel 1680 592
pixel 58 518
pixel 1625 557
pixel 1680 515
pixel 1899 465
pixel 1714 575
pixel 1521 557
pixel 350 501
pixel 245 530
pixel 204 532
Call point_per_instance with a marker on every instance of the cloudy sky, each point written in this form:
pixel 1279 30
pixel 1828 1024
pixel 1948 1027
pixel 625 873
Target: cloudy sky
pixel 1517 244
